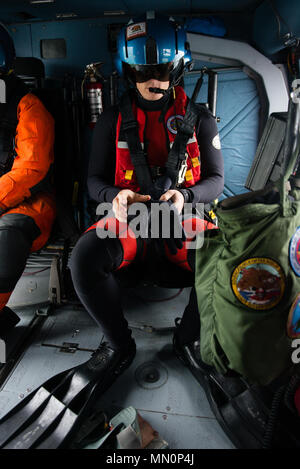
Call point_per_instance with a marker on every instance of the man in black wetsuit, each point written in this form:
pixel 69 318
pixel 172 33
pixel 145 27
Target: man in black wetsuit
pixel 152 57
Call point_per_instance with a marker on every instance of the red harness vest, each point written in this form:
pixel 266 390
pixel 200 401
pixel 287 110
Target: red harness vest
pixel 125 176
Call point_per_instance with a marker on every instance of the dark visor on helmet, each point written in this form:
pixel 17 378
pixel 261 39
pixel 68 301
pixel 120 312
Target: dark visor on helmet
pixel 143 73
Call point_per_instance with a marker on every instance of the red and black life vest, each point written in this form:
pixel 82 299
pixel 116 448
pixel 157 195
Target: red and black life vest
pixel 125 175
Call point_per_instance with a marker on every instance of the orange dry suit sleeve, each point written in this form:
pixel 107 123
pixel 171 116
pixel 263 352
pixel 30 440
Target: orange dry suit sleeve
pixel 34 152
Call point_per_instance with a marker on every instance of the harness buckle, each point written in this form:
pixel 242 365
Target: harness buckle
pixel 157 171
pixel 182 171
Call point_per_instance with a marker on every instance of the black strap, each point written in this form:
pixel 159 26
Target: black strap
pixel 185 131
pixel 138 156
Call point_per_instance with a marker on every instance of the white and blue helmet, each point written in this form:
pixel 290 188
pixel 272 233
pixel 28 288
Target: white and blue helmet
pixel 152 48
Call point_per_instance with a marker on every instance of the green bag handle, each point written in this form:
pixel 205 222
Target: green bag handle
pixel 291 145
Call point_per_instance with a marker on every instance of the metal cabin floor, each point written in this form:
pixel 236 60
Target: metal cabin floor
pixel 175 404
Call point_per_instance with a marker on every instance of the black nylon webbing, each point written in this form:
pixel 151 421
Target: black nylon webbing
pixel 177 153
pixel 138 157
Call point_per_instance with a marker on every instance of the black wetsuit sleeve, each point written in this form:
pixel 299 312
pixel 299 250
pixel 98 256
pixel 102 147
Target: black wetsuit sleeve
pixel 211 184
pixel 101 172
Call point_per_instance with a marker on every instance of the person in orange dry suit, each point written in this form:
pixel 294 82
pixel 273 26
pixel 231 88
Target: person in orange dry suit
pixel 27 205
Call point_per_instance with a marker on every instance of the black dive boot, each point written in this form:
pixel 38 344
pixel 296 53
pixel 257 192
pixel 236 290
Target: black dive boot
pixel 8 320
pixel 189 354
pixel 108 364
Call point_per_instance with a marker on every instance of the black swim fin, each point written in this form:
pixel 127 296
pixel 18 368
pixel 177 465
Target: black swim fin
pixel 24 412
pixel 62 409
pixel 252 416
pixel 71 418
pixel 51 414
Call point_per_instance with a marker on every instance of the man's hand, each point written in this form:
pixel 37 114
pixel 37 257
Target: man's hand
pixel 122 201
pixel 176 197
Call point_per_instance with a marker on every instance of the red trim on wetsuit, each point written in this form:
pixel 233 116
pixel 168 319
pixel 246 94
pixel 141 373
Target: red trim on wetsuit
pixel 4 297
pixel 191 226
pixel 124 233
pixel 297 400
pixel 129 243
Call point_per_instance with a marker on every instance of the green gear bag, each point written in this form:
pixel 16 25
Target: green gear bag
pixel 247 278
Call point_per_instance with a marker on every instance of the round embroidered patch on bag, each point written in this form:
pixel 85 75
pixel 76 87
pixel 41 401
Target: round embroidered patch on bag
pixel 258 283
pixel 294 253
pixel 293 324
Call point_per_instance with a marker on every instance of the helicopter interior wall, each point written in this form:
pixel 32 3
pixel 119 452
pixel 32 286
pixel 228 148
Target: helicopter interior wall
pixel 87 41
pixel 238 107
pixel 273 21
pixel 22 10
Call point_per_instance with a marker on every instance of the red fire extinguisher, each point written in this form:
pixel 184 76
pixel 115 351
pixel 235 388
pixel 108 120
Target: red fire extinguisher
pixel 92 90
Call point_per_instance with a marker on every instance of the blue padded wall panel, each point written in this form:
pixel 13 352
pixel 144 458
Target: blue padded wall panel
pixel 21 34
pixel 238 108
pixel 86 42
